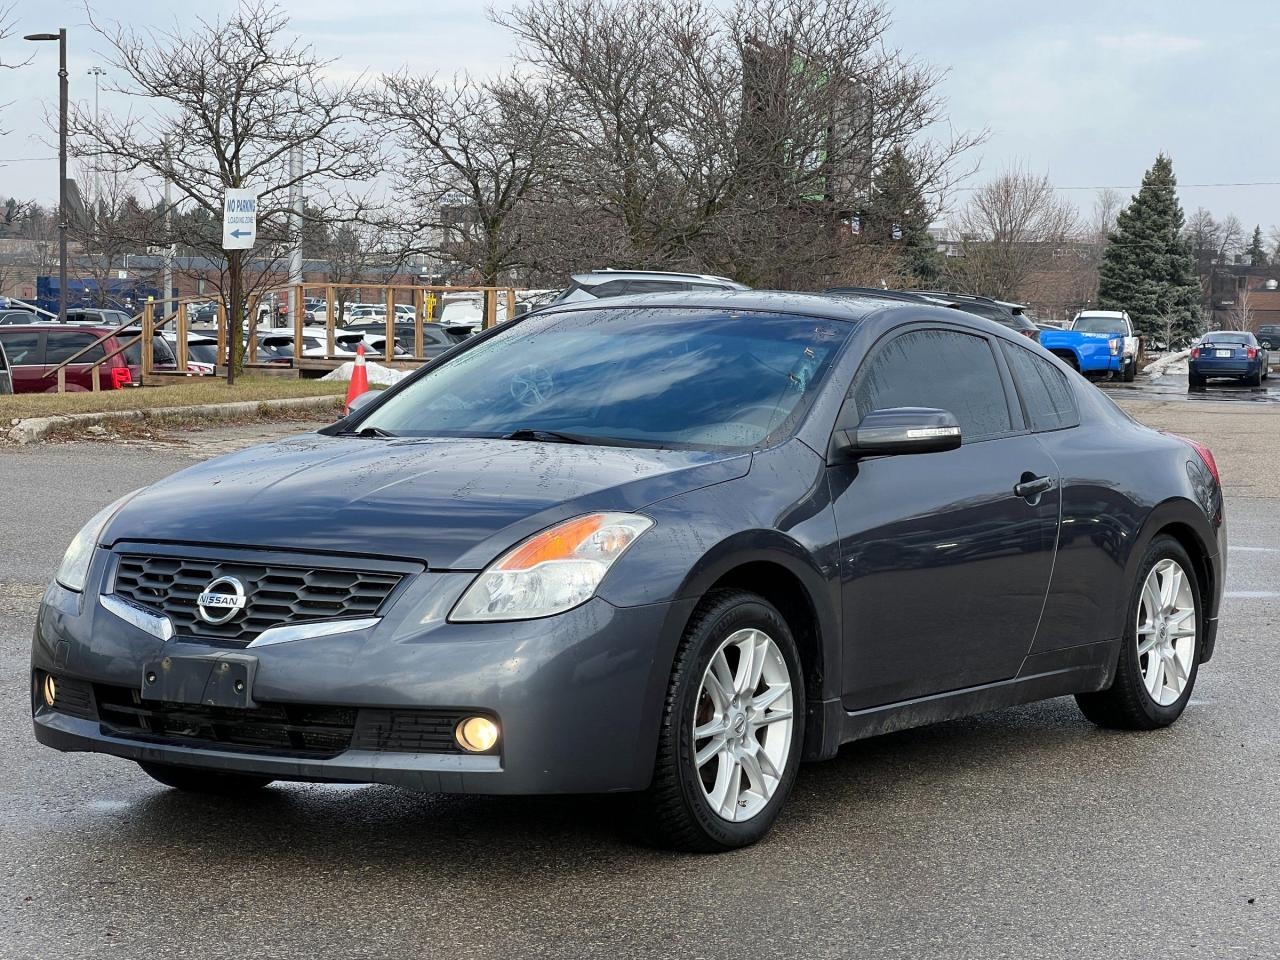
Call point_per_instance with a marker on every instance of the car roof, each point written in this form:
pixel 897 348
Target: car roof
pixel 847 308
pixel 1109 314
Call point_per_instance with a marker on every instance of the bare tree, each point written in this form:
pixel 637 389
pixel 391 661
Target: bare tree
pixel 1106 207
pixel 1240 316
pixel 1011 227
pixel 228 104
pixel 473 159
pixel 7 21
pixel 113 224
pixel 740 139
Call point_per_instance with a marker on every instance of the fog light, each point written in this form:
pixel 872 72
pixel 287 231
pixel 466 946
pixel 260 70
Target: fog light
pixel 50 689
pixel 476 734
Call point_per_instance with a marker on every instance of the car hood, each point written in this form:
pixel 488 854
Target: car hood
pixel 452 503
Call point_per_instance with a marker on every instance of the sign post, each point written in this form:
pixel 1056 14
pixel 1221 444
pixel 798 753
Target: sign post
pixel 239 219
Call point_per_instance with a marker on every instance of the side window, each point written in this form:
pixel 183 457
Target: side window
pixel 942 369
pixel 610 288
pixel 62 346
pixel 22 346
pixel 1046 392
pixel 657 286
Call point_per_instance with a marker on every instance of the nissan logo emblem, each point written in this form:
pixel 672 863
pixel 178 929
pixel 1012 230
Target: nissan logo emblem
pixel 221 600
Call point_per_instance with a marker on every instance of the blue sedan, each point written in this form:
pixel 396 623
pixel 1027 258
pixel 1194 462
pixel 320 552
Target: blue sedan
pixel 1227 353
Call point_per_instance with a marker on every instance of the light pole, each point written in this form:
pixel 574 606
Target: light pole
pixel 61 37
pixel 96 72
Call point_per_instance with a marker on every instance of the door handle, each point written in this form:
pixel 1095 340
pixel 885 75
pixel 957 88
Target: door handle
pixel 1034 486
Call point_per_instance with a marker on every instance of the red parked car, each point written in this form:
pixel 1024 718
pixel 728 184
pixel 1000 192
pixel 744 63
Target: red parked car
pixel 35 350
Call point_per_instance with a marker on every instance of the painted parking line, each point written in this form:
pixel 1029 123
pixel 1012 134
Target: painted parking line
pixel 1251 594
pixel 1254 549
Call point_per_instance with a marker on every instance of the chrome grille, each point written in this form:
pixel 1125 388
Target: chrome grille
pixel 275 594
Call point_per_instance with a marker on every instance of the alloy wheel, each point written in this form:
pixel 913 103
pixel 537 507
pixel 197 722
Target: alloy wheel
pixel 1166 632
pixel 743 725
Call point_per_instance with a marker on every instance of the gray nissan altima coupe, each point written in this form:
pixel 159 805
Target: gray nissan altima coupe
pixel 670 546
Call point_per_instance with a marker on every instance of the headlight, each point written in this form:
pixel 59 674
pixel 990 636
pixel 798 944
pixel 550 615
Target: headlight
pixel 75 562
pixel 552 571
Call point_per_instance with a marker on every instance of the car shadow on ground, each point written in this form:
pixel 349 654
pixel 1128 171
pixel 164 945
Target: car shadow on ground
pixel 311 826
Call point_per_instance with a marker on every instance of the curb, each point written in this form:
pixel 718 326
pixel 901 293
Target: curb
pixel 35 429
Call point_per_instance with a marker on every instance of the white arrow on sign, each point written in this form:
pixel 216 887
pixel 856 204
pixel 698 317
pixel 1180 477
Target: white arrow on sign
pixel 239 219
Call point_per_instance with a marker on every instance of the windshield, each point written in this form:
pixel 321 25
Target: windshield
pixel 1098 325
pixel 636 377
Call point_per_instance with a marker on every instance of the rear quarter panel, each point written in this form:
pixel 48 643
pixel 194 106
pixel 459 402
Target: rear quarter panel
pixel 1122 484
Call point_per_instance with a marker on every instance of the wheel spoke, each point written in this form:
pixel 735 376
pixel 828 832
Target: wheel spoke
pixel 726 777
pixel 773 717
pixel 766 764
pixel 770 696
pixel 751 767
pixel 719 681
pixel 706 753
pixel 1144 646
pixel 1154 677
pixel 1177 672
pixel 758 657
pixel 1151 598
pixel 746 665
pixel 712 728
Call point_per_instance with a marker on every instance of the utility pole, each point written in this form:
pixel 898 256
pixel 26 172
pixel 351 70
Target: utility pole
pixel 61 37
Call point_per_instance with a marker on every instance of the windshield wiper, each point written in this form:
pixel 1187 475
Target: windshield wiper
pixel 370 432
pixel 547 436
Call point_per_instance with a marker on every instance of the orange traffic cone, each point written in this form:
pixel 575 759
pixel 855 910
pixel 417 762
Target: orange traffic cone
pixel 359 380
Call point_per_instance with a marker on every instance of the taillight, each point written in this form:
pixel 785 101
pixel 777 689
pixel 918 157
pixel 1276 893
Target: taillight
pixel 1195 353
pixel 1028 333
pixel 1205 454
pixel 1252 353
pixel 120 378
pixel 1115 347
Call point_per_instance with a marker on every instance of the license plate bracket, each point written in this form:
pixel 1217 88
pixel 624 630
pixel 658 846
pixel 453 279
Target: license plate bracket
pixel 224 680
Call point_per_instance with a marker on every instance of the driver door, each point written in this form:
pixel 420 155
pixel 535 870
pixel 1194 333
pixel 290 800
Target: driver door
pixel 944 567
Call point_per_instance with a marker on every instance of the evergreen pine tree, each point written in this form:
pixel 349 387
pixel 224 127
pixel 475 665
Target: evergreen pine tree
pixel 1147 267
pixel 1257 253
pixel 897 214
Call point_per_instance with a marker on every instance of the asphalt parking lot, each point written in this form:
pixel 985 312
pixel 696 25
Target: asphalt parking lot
pixel 1021 833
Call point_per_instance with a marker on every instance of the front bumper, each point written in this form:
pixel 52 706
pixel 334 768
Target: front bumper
pixel 578 696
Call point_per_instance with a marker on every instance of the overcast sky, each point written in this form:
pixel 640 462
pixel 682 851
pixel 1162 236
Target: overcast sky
pixel 1087 92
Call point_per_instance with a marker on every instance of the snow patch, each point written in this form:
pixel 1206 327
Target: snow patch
pixel 376 372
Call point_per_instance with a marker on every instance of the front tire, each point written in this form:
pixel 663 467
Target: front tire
pixel 732 728
pixel 196 780
pixel 1160 652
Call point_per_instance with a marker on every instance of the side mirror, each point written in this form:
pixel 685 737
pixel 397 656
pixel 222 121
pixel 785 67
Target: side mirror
pixel 896 431
pixel 521 309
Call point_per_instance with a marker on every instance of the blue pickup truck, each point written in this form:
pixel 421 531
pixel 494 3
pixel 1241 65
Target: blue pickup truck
pixel 1098 343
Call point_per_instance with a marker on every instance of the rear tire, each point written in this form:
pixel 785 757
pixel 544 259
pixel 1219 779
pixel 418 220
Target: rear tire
pixel 196 780
pixel 1256 379
pixel 1130 371
pixel 1158 662
pixel 755 753
pixel 1195 382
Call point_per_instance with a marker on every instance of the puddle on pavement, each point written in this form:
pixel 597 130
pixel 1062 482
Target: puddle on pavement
pixel 1174 387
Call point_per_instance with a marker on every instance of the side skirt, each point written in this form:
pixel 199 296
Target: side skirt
pixel 1057 673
